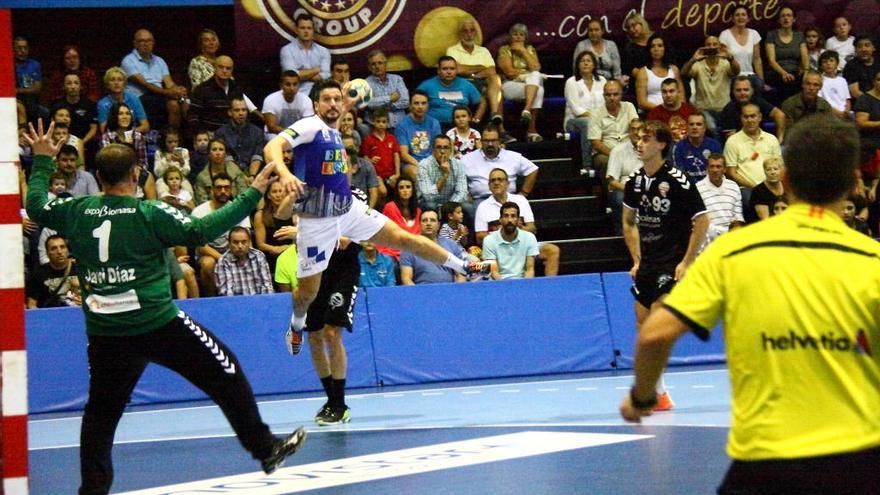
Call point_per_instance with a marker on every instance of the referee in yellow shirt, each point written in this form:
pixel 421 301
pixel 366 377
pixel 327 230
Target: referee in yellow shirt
pixel 799 294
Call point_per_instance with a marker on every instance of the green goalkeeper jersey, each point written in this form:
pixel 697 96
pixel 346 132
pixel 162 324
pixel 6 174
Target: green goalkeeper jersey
pixel 119 243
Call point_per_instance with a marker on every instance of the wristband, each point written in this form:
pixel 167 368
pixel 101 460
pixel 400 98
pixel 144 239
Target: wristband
pixel 641 404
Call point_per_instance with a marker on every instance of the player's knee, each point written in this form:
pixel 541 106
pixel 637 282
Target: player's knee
pixel 332 335
pixel 304 295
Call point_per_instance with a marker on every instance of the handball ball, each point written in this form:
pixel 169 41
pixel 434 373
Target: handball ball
pixel 361 91
pixel 476 251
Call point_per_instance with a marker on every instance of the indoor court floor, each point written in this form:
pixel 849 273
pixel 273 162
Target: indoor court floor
pixel 536 435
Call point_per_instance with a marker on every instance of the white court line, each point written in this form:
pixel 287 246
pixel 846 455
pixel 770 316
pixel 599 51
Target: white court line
pixel 509 391
pixel 702 386
pixel 399 394
pixel 548 390
pixel 407 428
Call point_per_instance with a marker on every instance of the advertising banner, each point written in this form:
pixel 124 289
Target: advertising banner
pixel 413 33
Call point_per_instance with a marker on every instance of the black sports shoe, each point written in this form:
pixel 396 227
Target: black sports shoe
pixel 323 413
pixel 496 119
pixel 337 415
pixel 283 448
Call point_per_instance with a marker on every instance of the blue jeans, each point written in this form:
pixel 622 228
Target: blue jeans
pixel 580 126
pixel 615 202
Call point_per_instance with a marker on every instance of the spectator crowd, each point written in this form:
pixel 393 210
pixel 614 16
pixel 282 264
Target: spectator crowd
pixel 434 156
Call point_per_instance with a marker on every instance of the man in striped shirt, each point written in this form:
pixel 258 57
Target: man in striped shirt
pixel 722 198
pixel 242 270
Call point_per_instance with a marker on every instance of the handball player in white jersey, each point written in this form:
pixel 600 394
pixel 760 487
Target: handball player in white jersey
pixel 326 207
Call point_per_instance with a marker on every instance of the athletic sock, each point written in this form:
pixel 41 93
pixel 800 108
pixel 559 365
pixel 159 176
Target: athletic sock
pixel 661 386
pixel 327 383
pixel 455 263
pixel 338 397
pixel 298 323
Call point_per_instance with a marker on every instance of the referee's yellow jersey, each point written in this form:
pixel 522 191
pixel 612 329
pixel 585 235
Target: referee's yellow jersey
pixel 799 296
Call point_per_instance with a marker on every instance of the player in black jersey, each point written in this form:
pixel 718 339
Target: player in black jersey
pixel 664 221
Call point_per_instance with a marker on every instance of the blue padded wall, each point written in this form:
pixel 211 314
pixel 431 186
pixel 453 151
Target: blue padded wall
pixel 621 313
pixel 402 335
pixel 508 328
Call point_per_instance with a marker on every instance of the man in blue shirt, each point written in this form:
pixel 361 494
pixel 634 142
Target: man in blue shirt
pixel 416 271
pixel 309 59
pixel 377 269
pixel 416 133
pixel 28 78
pixel 151 81
pixel 691 155
pixel 512 248
pixel 389 90
pixel 446 90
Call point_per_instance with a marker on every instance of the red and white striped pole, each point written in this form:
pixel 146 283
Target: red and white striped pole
pixel 13 358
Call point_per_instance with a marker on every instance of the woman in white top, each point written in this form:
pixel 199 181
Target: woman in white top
pixel 649 78
pixel 745 46
pixel 583 94
pixel 607 54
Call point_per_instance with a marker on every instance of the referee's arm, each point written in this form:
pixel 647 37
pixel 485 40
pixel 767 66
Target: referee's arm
pixel 654 343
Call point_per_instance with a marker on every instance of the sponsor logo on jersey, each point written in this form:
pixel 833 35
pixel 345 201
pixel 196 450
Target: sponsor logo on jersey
pixel 335 300
pixel 830 341
pixel 343 26
pixel 106 211
pixel 290 132
pixel 335 161
pixel 663 187
pixel 115 303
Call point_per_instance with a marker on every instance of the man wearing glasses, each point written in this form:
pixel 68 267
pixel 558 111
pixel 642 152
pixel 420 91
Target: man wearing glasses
pixel 389 90
pixel 479 163
pixel 442 178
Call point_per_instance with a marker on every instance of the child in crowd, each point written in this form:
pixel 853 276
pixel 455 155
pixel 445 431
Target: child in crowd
pixel 381 148
pixel 835 88
pixel 679 127
pixel 174 194
pixel 453 226
pixel 780 205
pixel 813 38
pixel 842 42
pixel 58 186
pixel 464 137
pixel 850 207
pixel 171 154
pixel 199 157
pixel 62 134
